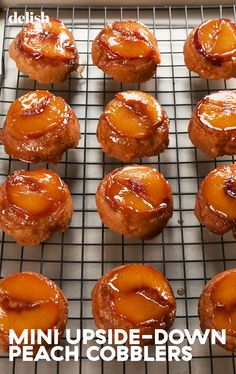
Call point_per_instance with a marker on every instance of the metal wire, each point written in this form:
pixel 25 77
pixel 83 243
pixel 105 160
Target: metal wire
pixel 187 253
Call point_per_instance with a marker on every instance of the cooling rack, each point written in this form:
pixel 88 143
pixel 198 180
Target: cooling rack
pixel 187 253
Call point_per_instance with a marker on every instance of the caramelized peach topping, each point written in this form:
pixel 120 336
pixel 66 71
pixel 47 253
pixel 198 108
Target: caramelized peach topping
pixel 137 188
pixel 135 201
pixel 34 193
pixel 134 114
pixel 216 40
pixel 36 113
pixel 218 110
pixel 49 39
pixel 140 294
pixel 130 40
pixel 127 51
pixel 223 298
pixel 133 296
pixel 219 190
pixel 30 301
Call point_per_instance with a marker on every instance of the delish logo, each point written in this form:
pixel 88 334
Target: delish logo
pixel 27 17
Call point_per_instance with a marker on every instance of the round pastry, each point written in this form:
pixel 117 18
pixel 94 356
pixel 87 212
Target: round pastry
pixel 127 51
pixel 34 205
pixel 134 296
pixel 133 125
pixel 30 301
pixel 40 127
pixel 135 201
pixel 216 200
pixel 45 51
pixel 212 127
pixel 217 307
pixel 210 49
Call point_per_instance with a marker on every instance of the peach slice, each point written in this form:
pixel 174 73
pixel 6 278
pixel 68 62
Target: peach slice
pixel 49 39
pixel 224 291
pixel 138 188
pixel 219 189
pixel 134 114
pixel 218 110
pixel 224 302
pixel 144 276
pixel 140 294
pixel 132 43
pixel 31 301
pixel 34 193
pixel 36 113
pixel 216 40
pixel 221 319
pixel 139 309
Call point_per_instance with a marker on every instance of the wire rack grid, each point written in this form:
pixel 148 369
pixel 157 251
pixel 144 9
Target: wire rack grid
pixel 187 253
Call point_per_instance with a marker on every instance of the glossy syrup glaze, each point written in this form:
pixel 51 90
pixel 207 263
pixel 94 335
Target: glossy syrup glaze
pixel 140 294
pixel 134 114
pixel 218 110
pixel 36 113
pixel 129 40
pixel 223 298
pixel 137 188
pixel 28 301
pixel 36 193
pixel 216 40
pixel 49 39
pixel 219 190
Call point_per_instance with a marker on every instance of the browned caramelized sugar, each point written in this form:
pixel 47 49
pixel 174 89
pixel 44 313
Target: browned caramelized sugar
pixel 230 187
pixel 223 298
pixel 137 188
pixel 36 113
pixel 140 295
pixel 49 39
pixel 134 114
pixel 216 40
pixel 129 40
pixel 36 193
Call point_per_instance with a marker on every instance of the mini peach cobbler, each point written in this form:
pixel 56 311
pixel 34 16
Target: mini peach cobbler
pixel 210 49
pixel 216 200
pixel 133 125
pixel 135 201
pixel 34 205
pixel 45 51
pixel 127 51
pixel 133 296
pixel 40 127
pixel 212 127
pixel 217 306
pixel 30 301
